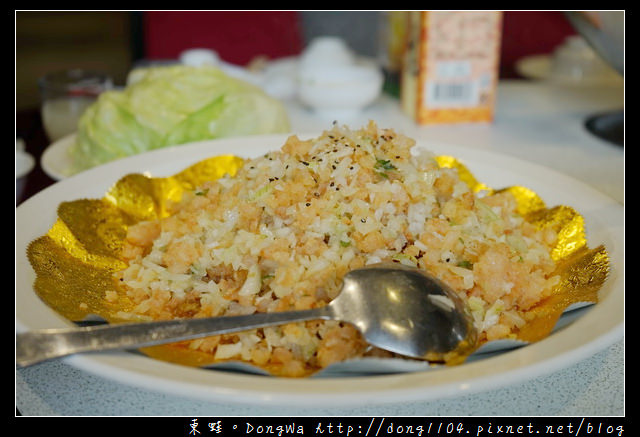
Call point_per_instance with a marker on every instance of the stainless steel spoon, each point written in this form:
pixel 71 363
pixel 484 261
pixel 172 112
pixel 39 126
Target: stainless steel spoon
pixel 398 309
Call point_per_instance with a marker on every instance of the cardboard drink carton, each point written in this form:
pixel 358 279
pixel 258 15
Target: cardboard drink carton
pixel 450 66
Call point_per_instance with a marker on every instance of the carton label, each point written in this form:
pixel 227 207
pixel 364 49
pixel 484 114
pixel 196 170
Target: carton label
pixel 451 65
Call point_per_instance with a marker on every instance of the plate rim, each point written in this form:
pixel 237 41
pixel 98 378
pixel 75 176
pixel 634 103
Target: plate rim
pixel 53 151
pixel 109 364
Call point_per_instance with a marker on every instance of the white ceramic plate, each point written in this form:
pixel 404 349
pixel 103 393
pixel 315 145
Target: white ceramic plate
pixel 55 160
pixel 598 328
pixel 540 67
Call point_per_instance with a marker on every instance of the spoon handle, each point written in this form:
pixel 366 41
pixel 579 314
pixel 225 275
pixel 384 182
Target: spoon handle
pixel 36 346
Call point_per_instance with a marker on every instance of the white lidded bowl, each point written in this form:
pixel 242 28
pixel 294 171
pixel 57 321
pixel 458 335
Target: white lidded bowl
pixel 339 90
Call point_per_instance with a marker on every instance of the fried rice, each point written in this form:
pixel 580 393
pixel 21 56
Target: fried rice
pixel 282 232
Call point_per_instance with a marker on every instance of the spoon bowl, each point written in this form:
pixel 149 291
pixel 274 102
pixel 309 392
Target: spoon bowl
pixel 403 310
pixel 396 308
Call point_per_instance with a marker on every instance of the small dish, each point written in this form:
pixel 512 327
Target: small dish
pixel 24 164
pixel 56 161
pixel 572 63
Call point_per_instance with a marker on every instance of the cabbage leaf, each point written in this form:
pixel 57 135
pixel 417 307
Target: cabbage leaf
pixel 172 105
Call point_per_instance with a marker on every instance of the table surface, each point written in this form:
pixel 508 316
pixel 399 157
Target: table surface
pixel 535 121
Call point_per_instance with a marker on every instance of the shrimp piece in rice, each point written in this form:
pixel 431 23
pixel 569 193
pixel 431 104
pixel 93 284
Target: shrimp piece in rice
pixel 139 239
pixel 180 256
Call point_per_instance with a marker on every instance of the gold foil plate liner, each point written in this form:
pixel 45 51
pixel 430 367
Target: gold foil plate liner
pixel 75 261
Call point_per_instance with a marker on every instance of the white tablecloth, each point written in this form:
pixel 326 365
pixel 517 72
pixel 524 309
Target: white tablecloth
pixel 534 121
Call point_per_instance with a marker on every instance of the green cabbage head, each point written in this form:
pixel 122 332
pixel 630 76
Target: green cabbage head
pixel 172 105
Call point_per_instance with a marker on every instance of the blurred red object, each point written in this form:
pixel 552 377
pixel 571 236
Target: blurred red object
pixel 528 33
pixel 237 36
pixel 241 36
